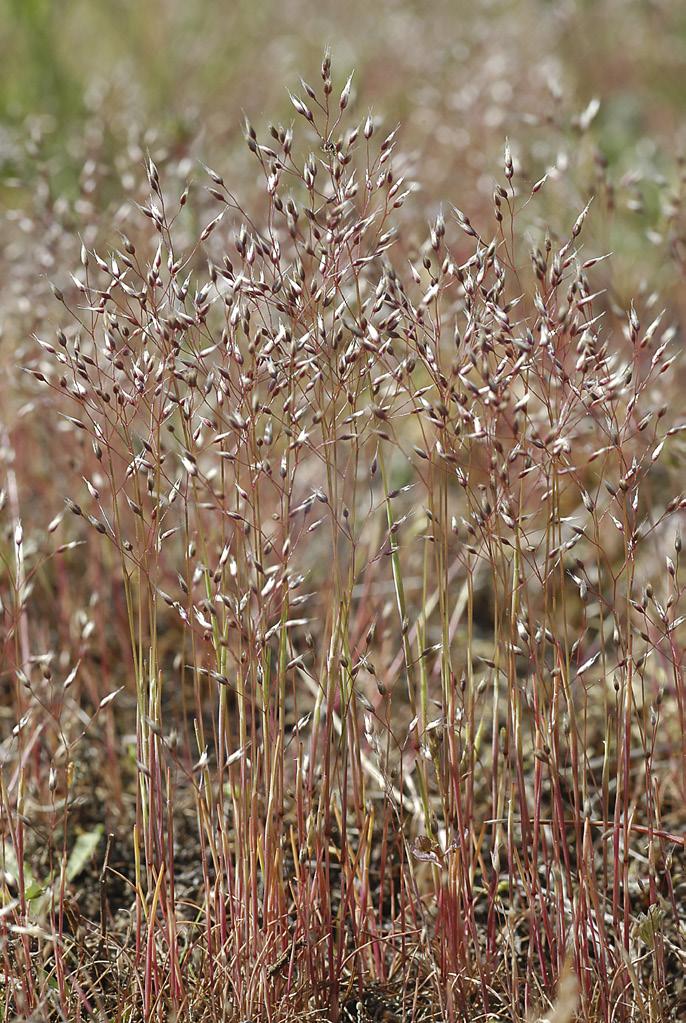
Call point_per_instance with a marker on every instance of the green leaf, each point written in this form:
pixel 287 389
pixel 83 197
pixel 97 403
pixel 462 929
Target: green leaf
pixel 34 890
pixel 83 850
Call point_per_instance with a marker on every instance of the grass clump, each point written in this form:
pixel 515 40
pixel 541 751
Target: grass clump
pixel 382 650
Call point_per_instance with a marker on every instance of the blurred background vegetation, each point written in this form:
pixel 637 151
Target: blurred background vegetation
pixel 590 92
pixel 169 62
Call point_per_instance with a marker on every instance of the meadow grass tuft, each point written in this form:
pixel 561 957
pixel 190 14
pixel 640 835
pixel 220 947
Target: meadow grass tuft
pixel 344 676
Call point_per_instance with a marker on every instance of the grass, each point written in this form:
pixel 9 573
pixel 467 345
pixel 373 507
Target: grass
pixel 341 583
